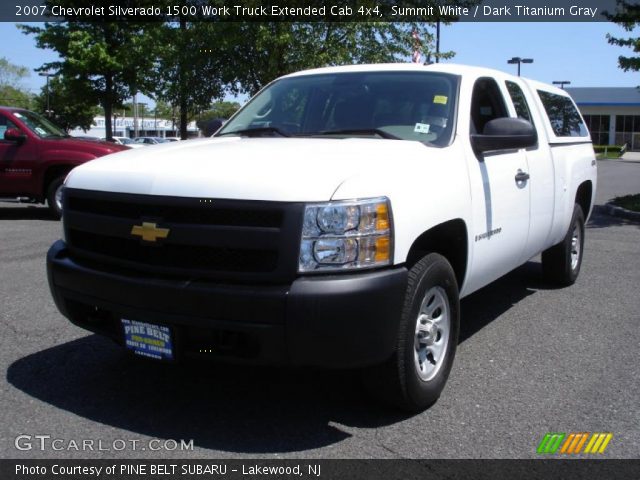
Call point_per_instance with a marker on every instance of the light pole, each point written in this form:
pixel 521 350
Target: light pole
pixel 519 60
pixel 136 132
pixel 142 105
pixel 114 130
pixel 562 83
pixel 47 74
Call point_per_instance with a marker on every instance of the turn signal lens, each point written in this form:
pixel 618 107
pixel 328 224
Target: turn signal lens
pixel 346 235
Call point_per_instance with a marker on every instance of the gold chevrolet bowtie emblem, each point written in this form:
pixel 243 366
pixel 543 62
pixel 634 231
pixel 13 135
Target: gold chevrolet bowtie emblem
pixel 149 232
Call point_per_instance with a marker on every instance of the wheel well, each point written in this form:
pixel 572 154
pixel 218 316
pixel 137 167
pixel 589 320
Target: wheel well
pixel 449 239
pixel 53 173
pixel 583 196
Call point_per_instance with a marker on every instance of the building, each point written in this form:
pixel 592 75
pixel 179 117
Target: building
pixel 612 114
pixel 147 127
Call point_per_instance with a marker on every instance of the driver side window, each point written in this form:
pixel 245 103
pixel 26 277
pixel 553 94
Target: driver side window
pixel 5 124
pixel 487 103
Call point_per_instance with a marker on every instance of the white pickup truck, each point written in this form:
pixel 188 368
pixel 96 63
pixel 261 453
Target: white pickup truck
pixel 335 221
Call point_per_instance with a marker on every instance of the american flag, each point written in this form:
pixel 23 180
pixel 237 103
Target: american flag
pixel 417 56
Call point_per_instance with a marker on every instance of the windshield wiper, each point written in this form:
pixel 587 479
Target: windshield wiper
pixel 256 132
pixel 358 131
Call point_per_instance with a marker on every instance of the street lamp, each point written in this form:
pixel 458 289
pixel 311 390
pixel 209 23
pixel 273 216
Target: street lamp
pixel 142 105
pixel 47 74
pixel 562 83
pixel 519 60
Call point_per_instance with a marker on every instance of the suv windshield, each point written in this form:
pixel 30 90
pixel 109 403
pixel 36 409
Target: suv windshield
pixel 394 105
pixel 39 125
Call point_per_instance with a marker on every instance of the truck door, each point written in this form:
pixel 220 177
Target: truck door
pixel 500 194
pixel 541 183
pixel 16 161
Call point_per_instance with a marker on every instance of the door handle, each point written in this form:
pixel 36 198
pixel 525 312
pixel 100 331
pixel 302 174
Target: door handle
pixel 522 176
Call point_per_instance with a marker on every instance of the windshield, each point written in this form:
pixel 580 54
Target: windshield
pixel 404 105
pixel 39 125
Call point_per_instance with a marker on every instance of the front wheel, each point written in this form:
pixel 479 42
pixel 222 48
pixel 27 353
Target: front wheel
pixel 561 263
pixel 54 196
pixel 427 338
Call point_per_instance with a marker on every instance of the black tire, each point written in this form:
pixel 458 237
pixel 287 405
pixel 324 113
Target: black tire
pixel 52 188
pixel 398 381
pixel 561 263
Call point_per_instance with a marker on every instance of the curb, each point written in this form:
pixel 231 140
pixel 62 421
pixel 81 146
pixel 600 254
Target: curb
pixel 615 211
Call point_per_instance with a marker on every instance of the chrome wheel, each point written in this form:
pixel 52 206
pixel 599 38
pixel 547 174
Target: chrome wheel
pixel 575 247
pixel 432 333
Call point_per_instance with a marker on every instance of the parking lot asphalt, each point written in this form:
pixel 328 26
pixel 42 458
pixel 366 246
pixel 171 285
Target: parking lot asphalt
pixel 532 359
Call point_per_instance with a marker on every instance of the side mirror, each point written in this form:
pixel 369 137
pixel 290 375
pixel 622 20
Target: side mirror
pixel 505 134
pixel 14 135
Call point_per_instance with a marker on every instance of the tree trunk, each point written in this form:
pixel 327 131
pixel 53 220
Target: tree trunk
pixel 108 106
pixel 183 86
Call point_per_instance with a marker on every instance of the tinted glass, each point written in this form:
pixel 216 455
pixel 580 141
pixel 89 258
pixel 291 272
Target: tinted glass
pixel 39 125
pixel 5 124
pixel 487 104
pixel 519 102
pixel 565 119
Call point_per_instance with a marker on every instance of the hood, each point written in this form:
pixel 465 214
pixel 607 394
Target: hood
pixel 79 144
pixel 278 169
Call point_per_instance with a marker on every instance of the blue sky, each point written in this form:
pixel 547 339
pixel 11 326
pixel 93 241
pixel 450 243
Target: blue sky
pixel 577 52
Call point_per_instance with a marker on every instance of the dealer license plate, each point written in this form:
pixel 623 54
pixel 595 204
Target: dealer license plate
pixel 147 339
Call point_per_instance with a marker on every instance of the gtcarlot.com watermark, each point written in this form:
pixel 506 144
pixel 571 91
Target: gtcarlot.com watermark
pixel 50 443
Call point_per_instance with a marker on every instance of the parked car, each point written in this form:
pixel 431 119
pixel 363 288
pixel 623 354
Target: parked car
pixel 35 157
pixel 124 141
pixel 335 221
pixel 172 139
pixel 149 140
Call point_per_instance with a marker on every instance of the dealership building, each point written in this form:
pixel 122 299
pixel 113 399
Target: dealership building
pixel 126 127
pixel 611 113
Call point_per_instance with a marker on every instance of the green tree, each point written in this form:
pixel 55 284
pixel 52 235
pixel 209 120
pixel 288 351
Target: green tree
pixel 11 74
pixel 627 15
pixel 12 92
pixel 111 57
pixel 73 102
pixel 270 50
pixel 164 110
pixel 220 109
pixel 190 68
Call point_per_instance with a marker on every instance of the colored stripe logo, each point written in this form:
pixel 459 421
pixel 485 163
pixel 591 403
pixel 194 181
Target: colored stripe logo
pixel 573 443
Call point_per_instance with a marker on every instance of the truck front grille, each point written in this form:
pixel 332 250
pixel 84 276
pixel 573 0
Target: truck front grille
pixel 237 240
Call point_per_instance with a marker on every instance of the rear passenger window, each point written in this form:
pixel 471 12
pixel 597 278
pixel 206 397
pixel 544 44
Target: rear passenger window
pixel 565 119
pixel 519 102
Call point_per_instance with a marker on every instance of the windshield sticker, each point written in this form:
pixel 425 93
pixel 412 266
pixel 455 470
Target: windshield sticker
pixel 421 128
pixel 441 99
pixel 41 131
pixel 18 114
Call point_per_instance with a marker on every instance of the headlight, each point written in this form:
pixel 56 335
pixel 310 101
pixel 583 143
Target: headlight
pixel 346 235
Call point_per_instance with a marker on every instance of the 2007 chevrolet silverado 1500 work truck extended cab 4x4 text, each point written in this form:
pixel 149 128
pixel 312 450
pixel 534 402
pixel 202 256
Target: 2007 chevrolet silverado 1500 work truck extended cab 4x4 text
pixel 335 221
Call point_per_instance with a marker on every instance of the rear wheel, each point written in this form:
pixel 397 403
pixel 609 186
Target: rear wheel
pixel 561 263
pixel 54 196
pixel 427 339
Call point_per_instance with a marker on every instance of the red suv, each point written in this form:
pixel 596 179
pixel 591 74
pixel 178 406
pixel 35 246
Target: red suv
pixel 35 156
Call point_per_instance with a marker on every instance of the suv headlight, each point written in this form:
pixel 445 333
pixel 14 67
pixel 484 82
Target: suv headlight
pixel 346 235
